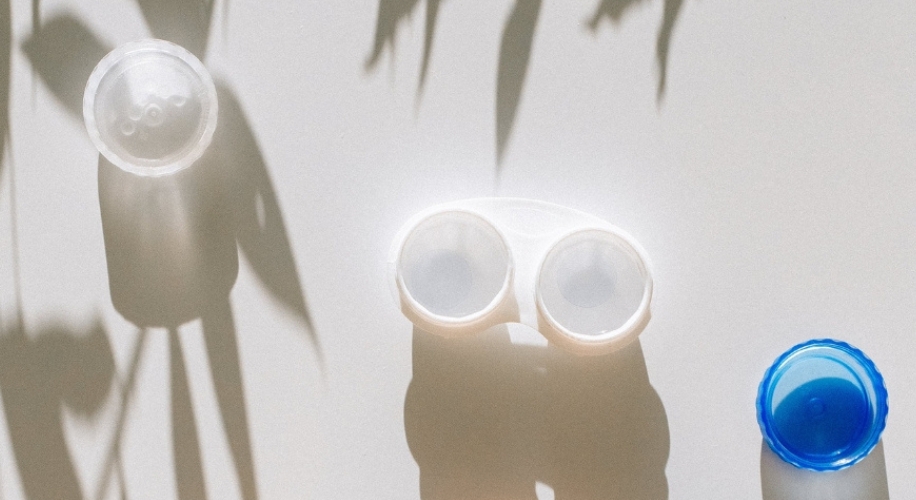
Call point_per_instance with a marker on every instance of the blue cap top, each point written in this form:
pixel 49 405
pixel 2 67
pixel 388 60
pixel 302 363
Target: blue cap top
pixel 822 405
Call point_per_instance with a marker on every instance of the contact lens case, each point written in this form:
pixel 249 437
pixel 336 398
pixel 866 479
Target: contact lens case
pixel 462 267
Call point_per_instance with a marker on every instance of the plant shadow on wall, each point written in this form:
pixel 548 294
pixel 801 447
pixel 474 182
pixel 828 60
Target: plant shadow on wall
pixel 488 419
pixel 515 49
pixel 6 45
pixel 171 247
pixel 44 373
pixel 49 370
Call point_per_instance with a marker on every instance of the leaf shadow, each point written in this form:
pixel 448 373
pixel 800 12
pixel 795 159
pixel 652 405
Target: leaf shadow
pixel 391 13
pixel 514 56
pixel 184 22
pixel 36 15
pixel 515 50
pixel 488 419
pixel 225 368
pixel 614 11
pixel 6 40
pixel 41 374
pixel 261 230
pixel 189 473
pixel 63 53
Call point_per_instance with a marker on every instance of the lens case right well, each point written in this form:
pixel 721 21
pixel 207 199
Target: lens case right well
pixel 463 267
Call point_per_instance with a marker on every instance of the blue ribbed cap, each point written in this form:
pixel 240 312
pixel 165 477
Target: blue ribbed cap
pixel 822 405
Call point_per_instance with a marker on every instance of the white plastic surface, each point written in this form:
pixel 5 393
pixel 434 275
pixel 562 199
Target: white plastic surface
pixel 454 266
pixel 462 267
pixel 591 283
pixel 150 107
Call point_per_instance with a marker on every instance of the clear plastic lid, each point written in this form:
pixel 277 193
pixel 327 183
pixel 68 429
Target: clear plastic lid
pixel 454 267
pixel 150 107
pixel 822 405
pixel 593 286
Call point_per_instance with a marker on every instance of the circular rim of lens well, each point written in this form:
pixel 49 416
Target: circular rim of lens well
pixel 449 321
pixel 855 454
pixel 112 59
pixel 615 338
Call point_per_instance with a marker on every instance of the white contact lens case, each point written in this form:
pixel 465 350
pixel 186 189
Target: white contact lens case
pixel 459 268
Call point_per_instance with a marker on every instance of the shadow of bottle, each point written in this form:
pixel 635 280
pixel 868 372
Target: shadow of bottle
pixel 169 242
pixel 867 480
pixel 171 247
pixel 172 243
pixel 488 419
pixel 40 375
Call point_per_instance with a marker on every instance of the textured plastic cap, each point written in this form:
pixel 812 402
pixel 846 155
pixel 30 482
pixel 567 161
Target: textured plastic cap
pixel 594 287
pixel 822 405
pixel 150 107
pixel 454 267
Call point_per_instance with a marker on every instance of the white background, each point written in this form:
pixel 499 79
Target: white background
pixel 772 185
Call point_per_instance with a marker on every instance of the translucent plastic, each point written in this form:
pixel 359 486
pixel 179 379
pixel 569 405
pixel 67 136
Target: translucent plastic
pixel 150 107
pixel 454 266
pixel 822 405
pixel 591 283
pixel 462 267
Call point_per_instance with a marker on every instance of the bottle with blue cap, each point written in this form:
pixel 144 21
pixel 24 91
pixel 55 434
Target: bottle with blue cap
pixel 822 405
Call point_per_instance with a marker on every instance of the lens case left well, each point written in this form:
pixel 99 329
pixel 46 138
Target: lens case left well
pixel 453 269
